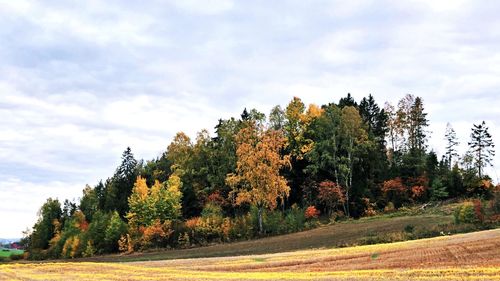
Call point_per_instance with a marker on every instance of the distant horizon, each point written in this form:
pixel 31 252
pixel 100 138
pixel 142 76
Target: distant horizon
pixel 81 82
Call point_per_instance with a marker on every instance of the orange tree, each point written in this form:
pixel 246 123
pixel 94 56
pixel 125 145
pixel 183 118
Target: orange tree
pixel 257 179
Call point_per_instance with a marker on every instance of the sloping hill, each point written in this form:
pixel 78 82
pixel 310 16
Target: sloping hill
pixel 336 235
pixel 472 256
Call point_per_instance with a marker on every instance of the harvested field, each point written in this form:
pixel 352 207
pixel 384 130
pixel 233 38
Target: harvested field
pixel 472 256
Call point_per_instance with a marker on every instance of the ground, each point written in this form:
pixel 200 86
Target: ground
pixel 471 256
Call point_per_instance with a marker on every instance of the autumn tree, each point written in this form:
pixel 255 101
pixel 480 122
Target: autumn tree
pixel 257 179
pixel 331 196
pixel 482 146
pixel 160 202
pixel 353 138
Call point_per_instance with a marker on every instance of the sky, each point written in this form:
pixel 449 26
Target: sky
pixel 82 80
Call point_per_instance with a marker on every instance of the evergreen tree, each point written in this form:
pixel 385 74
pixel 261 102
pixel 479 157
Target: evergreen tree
pixel 482 147
pixel 451 145
pixel 347 101
pixel 417 135
pixel 119 188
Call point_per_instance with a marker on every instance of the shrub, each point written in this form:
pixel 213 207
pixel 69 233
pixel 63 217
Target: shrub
pixel 478 210
pixel 156 234
pixel 311 213
pixel 409 228
pixel 331 195
pixel 89 250
pixel 295 219
pixel 389 207
pixel 241 228
pixel 395 191
pixel 16 257
pixel 183 240
pixel 494 206
pixel 273 222
pixel 468 212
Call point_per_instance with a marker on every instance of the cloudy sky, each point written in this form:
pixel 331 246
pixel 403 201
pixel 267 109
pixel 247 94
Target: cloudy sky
pixel 82 80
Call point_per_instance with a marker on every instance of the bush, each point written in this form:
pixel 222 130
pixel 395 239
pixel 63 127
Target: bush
pixel 295 219
pixel 409 228
pixel 469 212
pixel 494 206
pixel 273 222
pixel 241 228
pixel 311 213
pixel 16 257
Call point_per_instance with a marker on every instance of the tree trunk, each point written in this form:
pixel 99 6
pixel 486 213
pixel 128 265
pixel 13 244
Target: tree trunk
pixel 261 230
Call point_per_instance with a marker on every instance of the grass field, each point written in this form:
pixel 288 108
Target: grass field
pixel 330 236
pixel 472 256
pixel 6 253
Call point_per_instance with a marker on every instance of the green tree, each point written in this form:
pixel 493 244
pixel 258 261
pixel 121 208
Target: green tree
pixel 353 138
pixel 451 145
pixel 44 228
pixel 482 146
pixel 119 187
pixel 115 229
pixel 277 118
pixel 89 203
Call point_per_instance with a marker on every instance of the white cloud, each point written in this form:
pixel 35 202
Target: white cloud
pixel 21 201
pixel 80 82
pixel 207 7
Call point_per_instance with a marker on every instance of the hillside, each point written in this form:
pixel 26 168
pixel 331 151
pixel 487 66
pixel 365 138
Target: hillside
pixel 472 256
pixel 329 236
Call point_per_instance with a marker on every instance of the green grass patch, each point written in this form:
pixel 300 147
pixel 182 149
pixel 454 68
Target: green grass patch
pixel 12 254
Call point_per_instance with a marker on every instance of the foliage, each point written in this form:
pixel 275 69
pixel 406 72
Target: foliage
pixel 331 195
pixel 469 212
pixel 254 178
pixel 257 179
pixel 311 213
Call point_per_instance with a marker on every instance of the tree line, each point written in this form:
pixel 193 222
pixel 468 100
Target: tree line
pixel 264 175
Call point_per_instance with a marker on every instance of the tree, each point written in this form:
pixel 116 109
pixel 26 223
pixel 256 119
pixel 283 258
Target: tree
pixel 160 202
pixel 451 145
pixel 115 229
pixel 324 155
pixel 277 118
pixel 417 118
pixel 257 179
pixel 482 146
pixel 119 188
pixel 331 195
pixel 89 203
pixel 347 101
pixel 353 136
pixel 44 228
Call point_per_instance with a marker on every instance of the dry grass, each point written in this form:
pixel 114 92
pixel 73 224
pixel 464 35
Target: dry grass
pixel 473 256
pixel 336 235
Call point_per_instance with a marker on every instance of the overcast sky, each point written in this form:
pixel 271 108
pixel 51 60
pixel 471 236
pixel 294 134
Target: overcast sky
pixel 82 80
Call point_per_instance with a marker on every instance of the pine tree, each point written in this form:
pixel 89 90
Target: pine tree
pixel 482 147
pixel 452 143
pixel 119 188
pixel 417 124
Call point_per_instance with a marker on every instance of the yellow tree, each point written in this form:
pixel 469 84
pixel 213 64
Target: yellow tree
pixel 257 179
pixel 354 136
